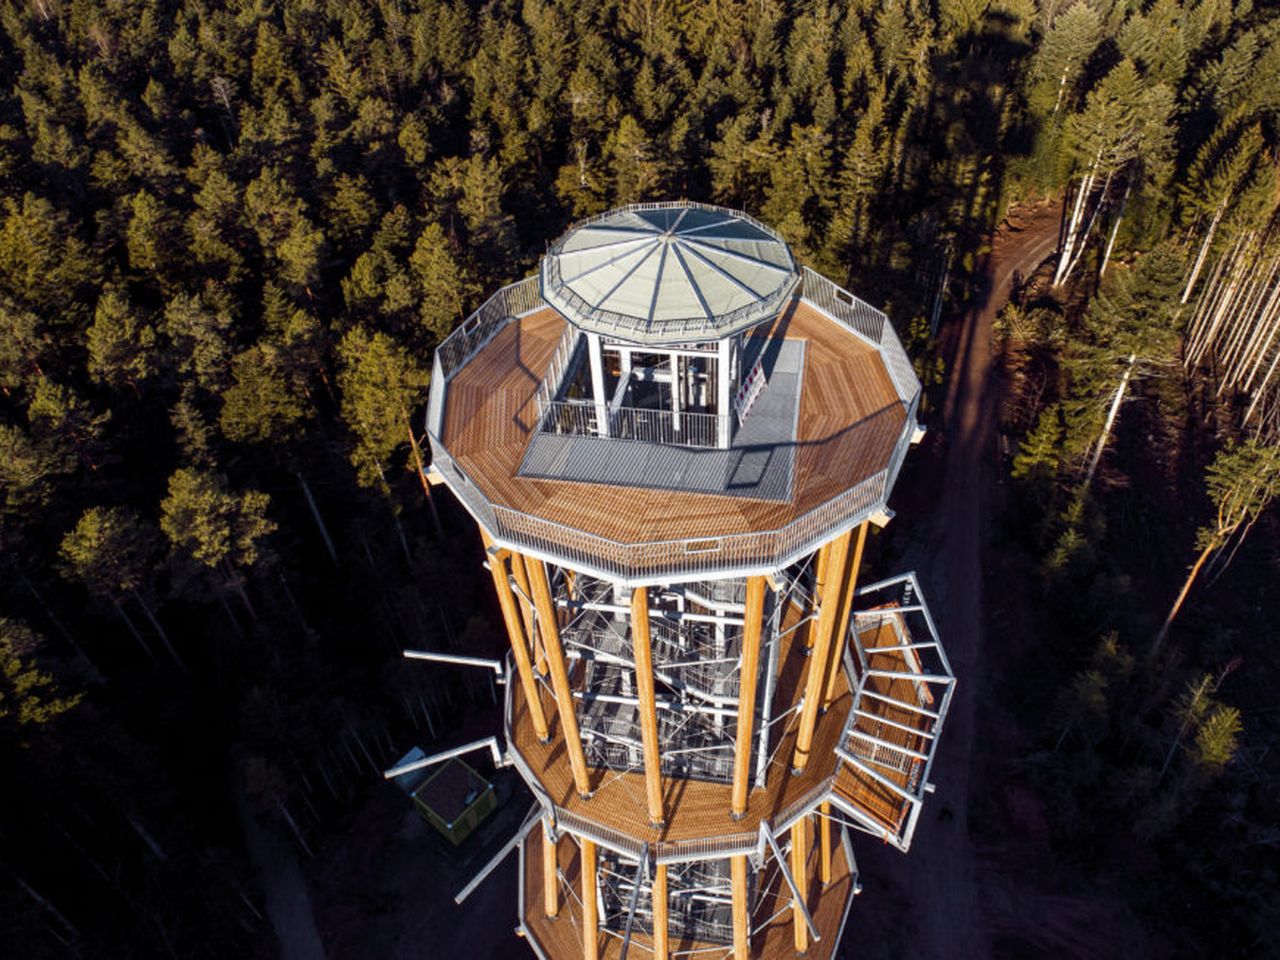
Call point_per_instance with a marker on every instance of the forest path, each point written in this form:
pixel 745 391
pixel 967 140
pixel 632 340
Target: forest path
pixel 288 899
pixel 939 877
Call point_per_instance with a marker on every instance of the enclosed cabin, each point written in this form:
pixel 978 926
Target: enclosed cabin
pixel 672 311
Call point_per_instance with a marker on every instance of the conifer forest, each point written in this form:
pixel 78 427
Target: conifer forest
pixel 232 233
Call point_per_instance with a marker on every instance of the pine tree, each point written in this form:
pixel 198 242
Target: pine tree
pixel 122 345
pixel 212 529
pixel 112 552
pixel 29 695
pixel 1242 481
pixel 381 385
pixel 441 287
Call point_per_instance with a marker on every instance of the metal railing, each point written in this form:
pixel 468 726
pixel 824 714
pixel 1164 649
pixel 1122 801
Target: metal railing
pixel 556 368
pixel 867 322
pixel 478 329
pixel 580 417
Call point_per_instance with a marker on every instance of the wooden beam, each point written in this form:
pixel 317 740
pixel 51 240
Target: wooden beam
pixel 828 608
pixel 550 873
pixel 800 873
pixel 741 915
pixel 660 921
pixel 526 611
pixel 824 841
pixel 846 610
pixel 550 633
pixel 515 631
pixel 643 651
pixel 590 917
pixel 819 584
pixel 748 675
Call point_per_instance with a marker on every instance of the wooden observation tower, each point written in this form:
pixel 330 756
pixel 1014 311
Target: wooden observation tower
pixel 673 440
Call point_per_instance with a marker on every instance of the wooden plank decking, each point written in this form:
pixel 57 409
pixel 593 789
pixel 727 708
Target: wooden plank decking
pixel 850 417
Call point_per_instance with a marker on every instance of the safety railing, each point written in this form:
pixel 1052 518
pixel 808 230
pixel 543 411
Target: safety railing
pixel 556 368
pixel 478 329
pixel 580 417
pixel 866 321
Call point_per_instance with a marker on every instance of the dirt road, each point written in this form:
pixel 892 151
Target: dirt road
pixel 936 883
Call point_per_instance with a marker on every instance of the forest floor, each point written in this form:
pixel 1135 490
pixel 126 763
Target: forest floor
pixel 980 880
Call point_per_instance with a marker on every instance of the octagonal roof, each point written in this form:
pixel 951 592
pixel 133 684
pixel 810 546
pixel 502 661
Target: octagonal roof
pixel 668 272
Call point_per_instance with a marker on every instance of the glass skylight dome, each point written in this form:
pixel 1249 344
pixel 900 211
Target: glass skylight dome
pixel 668 272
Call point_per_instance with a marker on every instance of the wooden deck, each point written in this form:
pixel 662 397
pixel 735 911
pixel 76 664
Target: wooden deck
pixel 561 938
pixel 849 420
pixel 694 809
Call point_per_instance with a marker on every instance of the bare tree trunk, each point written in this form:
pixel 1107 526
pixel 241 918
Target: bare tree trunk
pixel 395 518
pixel 59 626
pixel 1069 238
pixel 1204 251
pixel 1083 238
pixel 132 627
pixel 155 625
pixel 1182 596
pixel 315 515
pixel 422 478
pixel 1115 228
pixel 1111 419
pixel 237 582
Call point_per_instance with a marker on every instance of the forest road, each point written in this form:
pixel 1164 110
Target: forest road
pixel 939 877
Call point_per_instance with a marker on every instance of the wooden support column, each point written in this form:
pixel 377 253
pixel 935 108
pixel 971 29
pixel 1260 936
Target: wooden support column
pixel 550 632
pixel 550 873
pixel 819 585
pixel 515 630
pixel 824 842
pixel 660 932
pixel 590 917
pixel 741 915
pixel 526 611
pixel 800 873
pixel 828 608
pixel 846 610
pixel 748 676
pixel 643 652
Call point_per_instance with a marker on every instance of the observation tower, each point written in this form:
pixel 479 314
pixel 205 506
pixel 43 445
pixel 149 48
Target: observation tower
pixel 673 440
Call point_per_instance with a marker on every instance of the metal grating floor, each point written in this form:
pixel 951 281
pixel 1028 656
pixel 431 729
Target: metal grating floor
pixel 759 464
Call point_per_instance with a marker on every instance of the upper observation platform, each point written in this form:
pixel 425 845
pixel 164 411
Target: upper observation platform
pixel 670 445
pixel 658 273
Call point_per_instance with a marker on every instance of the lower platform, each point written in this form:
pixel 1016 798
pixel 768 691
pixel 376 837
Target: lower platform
pixel 773 936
